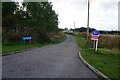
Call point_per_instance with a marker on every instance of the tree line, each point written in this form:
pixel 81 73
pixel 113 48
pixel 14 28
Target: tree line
pixel 35 19
pixel 83 29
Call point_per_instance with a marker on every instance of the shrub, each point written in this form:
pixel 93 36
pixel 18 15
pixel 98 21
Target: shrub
pixel 11 36
pixel 109 41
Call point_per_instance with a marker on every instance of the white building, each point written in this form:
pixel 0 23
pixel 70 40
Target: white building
pixel 68 31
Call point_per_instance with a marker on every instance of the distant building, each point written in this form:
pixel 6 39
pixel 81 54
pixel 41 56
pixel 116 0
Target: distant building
pixel 68 31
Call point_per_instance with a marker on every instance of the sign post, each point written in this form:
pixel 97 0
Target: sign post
pixel 95 37
pixel 94 45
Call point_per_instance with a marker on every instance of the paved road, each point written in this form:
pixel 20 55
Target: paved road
pixel 53 61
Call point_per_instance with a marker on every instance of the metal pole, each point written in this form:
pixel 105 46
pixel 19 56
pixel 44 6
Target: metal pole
pixel 96 45
pixel 88 22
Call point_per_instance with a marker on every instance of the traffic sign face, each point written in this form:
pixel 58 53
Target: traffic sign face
pixel 26 38
pixel 95 33
pixel 94 37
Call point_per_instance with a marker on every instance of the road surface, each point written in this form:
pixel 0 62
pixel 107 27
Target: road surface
pixel 53 61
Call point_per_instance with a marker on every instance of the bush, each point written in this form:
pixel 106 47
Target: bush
pixel 109 41
pixel 11 36
pixel 56 36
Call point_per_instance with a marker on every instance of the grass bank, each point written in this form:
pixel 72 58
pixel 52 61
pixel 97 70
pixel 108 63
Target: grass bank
pixel 17 46
pixel 105 60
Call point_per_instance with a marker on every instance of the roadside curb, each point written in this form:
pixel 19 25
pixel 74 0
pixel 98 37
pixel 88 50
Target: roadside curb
pixel 101 75
pixel 16 52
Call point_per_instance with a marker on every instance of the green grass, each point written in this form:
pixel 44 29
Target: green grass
pixel 81 42
pixel 17 46
pixel 104 60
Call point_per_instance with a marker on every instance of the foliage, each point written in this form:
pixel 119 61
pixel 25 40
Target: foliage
pixel 10 36
pixel 105 41
pixel 9 8
pixel 8 14
pixel 42 15
pixel 105 60
pixel 20 45
pixel 83 29
pixel 109 41
pixel 109 32
pixel 60 29
pixel 34 19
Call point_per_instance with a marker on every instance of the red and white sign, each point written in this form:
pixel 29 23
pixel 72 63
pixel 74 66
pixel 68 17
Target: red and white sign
pixel 94 37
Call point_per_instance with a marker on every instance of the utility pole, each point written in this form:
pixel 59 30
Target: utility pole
pixel 74 27
pixel 88 22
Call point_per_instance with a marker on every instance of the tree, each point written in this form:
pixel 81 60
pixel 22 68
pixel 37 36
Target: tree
pixel 8 14
pixel 42 16
pixel 66 29
pixel 9 8
pixel 83 29
pixel 34 19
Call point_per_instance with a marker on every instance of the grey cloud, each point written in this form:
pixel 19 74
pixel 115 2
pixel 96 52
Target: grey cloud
pixel 109 5
pixel 79 5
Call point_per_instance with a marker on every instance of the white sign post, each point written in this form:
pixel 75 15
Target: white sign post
pixel 96 45
pixel 95 36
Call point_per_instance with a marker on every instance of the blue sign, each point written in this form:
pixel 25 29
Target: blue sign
pixel 95 33
pixel 26 38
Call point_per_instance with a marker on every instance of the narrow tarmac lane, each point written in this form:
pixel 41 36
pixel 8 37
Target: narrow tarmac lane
pixel 53 61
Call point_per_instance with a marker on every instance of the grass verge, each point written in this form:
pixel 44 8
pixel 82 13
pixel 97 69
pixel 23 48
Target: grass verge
pixel 104 60
pixel 17 46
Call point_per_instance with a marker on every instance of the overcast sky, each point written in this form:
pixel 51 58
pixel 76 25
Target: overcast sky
pixel 103 13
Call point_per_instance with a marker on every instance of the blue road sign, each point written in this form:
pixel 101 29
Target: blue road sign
pixel 95 33
pixel 26 38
